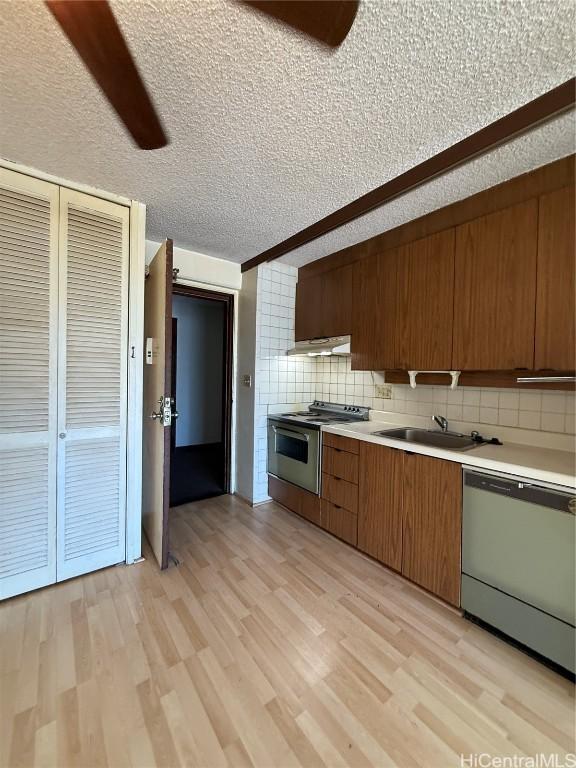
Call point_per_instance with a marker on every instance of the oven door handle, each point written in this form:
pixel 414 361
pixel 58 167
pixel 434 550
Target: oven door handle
pixel 291 433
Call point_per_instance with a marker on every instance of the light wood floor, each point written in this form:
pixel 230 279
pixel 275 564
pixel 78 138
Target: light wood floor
pixel 271 645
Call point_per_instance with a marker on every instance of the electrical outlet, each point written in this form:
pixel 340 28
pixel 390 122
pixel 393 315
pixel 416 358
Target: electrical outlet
pixel 384 391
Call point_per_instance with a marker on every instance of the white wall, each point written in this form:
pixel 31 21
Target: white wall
pixel 198 268
pixel 279 383
pixel 246 357
pixel 200 355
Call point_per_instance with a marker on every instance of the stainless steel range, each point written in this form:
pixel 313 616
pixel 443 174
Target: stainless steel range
pixel 294 447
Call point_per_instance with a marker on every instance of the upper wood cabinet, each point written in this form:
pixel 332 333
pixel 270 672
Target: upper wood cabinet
pixel 324 305
pixel 337 301
pixel 432 524
pixel 308 318
pixel 380 503
pixel 495 290
pixel 425 303
pixel 556 280
pixel 374 300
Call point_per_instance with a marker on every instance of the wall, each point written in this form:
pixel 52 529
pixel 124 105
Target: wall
pixel 279 383
pixel 528 409
pixel 200 348
pixel 200 269
pixel 245 406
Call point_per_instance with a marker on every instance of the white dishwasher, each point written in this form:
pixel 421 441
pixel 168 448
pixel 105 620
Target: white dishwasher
pixel 518 561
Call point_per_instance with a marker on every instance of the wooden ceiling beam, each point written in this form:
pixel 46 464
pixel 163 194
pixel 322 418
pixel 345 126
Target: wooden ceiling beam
pixel 525 118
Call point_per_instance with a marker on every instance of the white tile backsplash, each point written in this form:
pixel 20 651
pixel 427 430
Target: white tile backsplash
pixel 535 410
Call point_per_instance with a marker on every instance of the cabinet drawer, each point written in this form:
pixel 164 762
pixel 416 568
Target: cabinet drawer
pixel 339 521
pixel 340 492
pixel 340 464
pixel 295 499
pixel 342 443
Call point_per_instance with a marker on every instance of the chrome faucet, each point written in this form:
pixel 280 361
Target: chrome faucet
pixel 442 422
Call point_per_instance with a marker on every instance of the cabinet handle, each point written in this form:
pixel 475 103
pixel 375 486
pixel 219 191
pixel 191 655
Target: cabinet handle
pixel 337 506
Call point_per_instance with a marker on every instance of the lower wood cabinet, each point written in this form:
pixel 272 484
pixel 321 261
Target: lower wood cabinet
pixel 294 498
pixel 380 503
pixel 409 516
pixel 405 511
pixel 339 521
pixel 432 524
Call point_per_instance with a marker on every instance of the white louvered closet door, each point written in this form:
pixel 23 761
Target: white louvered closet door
pixel 92 384
pixel 28 337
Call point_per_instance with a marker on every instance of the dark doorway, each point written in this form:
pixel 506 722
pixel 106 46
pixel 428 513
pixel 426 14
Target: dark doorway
pixel 202 381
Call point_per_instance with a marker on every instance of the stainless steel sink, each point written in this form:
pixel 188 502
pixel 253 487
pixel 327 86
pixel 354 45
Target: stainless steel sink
pixel 450 440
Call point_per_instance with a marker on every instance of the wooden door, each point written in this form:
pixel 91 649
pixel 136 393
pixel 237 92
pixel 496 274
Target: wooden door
pixel 425 303
pixel 380 503
pixel 309 307
pixel 337 302
pixel 556 282
pixel 92 383
pixel 374 301
pixel 28 382
pixel 495 290
pixel 432 524
pixel 157 390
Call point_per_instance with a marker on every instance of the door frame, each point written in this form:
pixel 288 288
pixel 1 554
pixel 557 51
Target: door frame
pixel 179 289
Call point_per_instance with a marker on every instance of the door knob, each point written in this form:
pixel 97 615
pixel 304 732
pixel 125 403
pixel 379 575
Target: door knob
pixel 165 414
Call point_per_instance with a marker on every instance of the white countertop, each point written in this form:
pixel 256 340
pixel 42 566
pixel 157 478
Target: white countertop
pixel 545 464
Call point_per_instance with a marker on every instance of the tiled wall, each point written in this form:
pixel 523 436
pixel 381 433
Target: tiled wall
pixel 279 380
pixel 528 409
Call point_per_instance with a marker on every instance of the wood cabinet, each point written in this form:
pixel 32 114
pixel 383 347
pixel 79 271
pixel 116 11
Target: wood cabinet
pixel 340 463
pixel 425 303
pixel 380 503
pixel 337 302
pixel 409 516
pixel 340 522
pixel 432 524
pixel 324 305
pixel 374 312
pixel 555 346
pixel 308 319
pixel 495 290
pixel 401 508
pixel 340 486
pixel 296 499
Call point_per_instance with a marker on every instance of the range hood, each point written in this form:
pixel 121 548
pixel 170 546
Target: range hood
pixel 335 345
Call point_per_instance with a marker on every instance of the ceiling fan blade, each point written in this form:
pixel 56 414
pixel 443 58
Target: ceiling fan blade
pixel 327 21
pixel 94 32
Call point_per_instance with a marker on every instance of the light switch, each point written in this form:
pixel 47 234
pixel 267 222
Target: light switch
pixel 247 380
pixel 149 350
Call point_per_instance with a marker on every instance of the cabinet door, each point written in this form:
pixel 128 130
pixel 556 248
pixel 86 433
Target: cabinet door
pixel 92 383
pixel 556 282
pixel 337 302
pixel 380 503
pixel 28 369
pixel 425 303
pixel 308 318
pixel 432 525
pixel 374 301
pixel 495 290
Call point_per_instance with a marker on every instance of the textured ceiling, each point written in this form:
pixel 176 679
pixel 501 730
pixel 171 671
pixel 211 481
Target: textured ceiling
pixel 270 132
